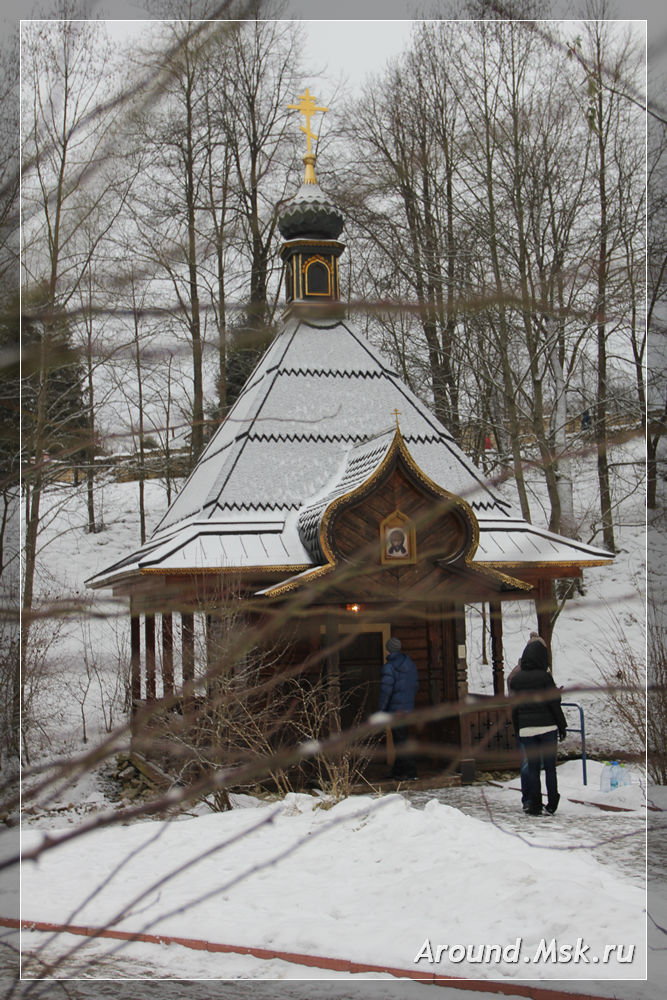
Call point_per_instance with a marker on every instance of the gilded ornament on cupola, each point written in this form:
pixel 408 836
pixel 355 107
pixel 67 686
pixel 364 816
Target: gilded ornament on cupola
pixel 310 225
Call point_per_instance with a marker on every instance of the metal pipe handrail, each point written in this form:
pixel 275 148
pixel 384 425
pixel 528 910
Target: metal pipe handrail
pixel 582 730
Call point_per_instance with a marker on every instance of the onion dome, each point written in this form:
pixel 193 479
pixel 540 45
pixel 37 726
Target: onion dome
pixel 310 214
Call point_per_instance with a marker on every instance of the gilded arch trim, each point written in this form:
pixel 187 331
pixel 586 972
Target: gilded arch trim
pixel 398 448
pixel 306 266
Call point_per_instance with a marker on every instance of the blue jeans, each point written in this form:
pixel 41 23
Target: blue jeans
pixel 538 752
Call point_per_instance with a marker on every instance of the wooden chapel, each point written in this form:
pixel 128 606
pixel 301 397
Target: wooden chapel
pixel 338 510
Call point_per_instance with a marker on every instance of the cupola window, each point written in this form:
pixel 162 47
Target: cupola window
pixel 318 277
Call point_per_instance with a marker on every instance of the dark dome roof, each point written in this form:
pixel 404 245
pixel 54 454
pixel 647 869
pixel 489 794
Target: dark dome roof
pixel 309 214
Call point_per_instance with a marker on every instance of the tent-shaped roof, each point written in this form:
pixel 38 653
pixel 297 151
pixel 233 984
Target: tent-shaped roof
pixel 315 419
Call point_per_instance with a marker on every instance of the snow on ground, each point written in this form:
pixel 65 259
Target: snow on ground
pixel 184 963
pixel 369 880
pixel 631 796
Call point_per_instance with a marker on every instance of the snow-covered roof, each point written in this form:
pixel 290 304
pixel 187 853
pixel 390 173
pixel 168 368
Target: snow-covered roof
pixel 314 420
pixel 515 541
pixel 319 390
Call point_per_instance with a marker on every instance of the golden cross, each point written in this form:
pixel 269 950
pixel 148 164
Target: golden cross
pixel 307 107
pixel 397 414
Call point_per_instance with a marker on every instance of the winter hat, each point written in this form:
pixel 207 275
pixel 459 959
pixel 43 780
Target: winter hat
pixel 535 656
pixel 393 645
pixel 536 637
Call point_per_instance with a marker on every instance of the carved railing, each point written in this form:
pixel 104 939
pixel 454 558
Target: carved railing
pixel 488 729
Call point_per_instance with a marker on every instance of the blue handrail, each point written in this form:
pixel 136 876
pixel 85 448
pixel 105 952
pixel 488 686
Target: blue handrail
pixel 582 730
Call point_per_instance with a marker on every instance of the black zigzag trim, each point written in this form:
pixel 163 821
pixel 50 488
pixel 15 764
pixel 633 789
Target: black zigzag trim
pixel 306 438
pixel 257 506
pixel 330 373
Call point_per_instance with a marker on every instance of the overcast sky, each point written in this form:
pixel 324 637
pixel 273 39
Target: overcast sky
pixel 379 31
pixel 356 48
pixel 653 10
pixel 336 51
pixel 358 42
pixel 346 49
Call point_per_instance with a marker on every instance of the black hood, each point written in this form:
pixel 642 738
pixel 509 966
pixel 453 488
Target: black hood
pixel 535 656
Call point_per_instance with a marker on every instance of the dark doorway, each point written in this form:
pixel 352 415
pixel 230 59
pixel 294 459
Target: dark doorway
pixel 361 660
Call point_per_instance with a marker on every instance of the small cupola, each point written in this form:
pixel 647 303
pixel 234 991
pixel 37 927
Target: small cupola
pixel 310 225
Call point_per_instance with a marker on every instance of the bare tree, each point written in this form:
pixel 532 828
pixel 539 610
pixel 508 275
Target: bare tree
pixel 408 132
pixel 259 65
pixel 475 203
pixel 9 396
pixel 64 71
pixel 657 291
pixel 172 174
pixel 608 114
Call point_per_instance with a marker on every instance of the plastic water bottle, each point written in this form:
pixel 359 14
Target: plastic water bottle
pixel 625 775
pixel 611 776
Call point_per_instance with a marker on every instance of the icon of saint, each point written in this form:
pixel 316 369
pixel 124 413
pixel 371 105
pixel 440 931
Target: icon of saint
pixel 397 543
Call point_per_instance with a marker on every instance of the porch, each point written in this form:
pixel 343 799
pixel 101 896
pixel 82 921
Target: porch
pixel 182 662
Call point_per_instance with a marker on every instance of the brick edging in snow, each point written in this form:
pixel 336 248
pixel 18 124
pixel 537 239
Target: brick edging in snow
pixel 506 987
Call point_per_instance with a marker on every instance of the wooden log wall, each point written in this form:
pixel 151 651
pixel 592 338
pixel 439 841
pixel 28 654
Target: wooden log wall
pixel 430 643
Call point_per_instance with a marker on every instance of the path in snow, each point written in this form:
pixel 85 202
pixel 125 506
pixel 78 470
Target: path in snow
pixel 614 838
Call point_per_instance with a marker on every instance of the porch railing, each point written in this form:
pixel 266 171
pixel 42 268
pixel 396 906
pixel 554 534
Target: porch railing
pixel 489 729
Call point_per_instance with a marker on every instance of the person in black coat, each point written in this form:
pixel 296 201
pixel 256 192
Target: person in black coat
pixel 398 688
pixel 537 725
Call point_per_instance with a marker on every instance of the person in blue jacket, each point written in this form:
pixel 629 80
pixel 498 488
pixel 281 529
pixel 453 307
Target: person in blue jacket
pixel 398 687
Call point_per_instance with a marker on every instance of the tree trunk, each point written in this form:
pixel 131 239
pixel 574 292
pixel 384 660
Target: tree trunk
pixel 601 401
pixel 503 345
pixel 562 463
pixel 137 362
pixel 90 450
pixel 197 440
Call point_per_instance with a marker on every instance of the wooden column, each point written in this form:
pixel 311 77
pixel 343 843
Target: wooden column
pixel 545 606
pixel 188 660
pixel 461 674
pixel 461 658
pixel 496 625
pixel 210 655
pixel 214 651
pixel 149 635
pixel 167 654
pixel 135 658
pixel 436 659
pixel 333 670
pixel 449 652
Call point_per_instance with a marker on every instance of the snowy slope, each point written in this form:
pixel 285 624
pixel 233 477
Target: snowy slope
pixel 369 880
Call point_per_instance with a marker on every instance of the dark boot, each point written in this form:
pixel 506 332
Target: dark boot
pixel 552 804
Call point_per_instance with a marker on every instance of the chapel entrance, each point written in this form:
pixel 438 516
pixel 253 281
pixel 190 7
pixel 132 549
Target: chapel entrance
pixel 361 660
